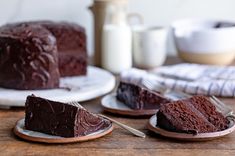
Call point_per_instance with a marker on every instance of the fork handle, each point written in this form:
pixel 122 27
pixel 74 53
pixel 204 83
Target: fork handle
pixel 128 128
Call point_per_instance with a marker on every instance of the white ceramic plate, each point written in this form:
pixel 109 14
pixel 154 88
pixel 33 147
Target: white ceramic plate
pixel 97 82
pixel 21 132
pixel 112 105
pixel 189 137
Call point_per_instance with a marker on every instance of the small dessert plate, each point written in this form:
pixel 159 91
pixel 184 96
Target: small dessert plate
pixel 112 105
pixel 188 137
pixel 21 132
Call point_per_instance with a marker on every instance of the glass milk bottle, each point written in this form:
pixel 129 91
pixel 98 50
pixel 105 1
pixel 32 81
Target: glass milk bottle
pixel 116 39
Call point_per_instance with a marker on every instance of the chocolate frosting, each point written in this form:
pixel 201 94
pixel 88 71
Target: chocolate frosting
pixel 28 57
pixel 33 55
pixel 71 44
pixel 61 119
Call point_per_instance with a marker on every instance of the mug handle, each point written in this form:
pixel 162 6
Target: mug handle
pixel 137 16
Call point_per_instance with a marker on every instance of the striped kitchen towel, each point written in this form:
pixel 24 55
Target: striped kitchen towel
pixel 189 78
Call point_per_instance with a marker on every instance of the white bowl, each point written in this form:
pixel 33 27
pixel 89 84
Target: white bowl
pixel 198 41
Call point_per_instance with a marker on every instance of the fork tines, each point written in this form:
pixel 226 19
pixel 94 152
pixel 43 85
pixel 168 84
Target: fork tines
pixel 221 107
pixel 153 86
pixel 76 104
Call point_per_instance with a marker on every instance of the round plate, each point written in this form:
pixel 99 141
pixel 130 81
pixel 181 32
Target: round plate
pixel 112 105
pixel 188 137
pixel 96 83
pixel 21 132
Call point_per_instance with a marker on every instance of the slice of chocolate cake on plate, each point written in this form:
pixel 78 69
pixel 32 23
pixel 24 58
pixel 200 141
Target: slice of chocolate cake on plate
pixel 138 97
pixel 193 115
pixel 61 119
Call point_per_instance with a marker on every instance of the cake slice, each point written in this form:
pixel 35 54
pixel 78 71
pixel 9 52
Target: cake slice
pixel 137 97
pixel 204 105
pixel 61 119
pixel 194 115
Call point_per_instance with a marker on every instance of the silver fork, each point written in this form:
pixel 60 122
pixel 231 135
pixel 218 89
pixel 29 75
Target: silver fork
pixel 156 86
pixel 223 108
pixel 128 128
pixel 76 104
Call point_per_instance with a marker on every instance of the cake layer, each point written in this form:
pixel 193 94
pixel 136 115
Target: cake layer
pixel 28 57
pixel 60 119
pixel 72 64
pixel 71 39
pixel 70 36
pixel 137 97
pixel 194 115
pixel 204 105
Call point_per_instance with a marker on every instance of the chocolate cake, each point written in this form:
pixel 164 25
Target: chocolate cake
pixel 61 119
pixel 28 57
pixel 194 115
pixel 137 97
pixel 33 55
pixel 71 45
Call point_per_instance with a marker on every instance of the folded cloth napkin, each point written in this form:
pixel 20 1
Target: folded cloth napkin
pixel 188 78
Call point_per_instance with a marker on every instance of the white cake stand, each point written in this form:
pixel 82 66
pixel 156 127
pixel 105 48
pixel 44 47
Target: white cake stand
pixel 96 83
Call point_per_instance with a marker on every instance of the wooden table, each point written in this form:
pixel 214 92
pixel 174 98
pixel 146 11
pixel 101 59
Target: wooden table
pixel 119 142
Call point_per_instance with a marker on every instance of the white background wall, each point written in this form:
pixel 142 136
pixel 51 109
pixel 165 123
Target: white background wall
pixel 155 12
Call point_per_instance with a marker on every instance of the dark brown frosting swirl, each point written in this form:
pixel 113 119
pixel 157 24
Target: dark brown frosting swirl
pixel 28 57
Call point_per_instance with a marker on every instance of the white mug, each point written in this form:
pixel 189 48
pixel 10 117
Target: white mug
pixel 149 46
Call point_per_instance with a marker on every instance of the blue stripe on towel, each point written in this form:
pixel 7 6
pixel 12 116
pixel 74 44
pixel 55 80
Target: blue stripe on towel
pixel 234 92
pixel 222 88
pixel 196 90
pixel 174 85
pixel 209 89
pixel 185 87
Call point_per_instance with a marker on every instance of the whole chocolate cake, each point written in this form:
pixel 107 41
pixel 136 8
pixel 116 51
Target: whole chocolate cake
pixel 194 115
pixel 28 57
pixel 33 55
pixel 137 97
pixel 61 119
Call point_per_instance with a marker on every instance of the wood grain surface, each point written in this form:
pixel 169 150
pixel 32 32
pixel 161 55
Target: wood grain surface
pixel 119 142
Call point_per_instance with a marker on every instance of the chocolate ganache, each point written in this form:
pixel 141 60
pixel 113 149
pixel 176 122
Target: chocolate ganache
pixel 28 57
pixel 61 119
pixel 138 97
pixel 71 45
pixel 33 55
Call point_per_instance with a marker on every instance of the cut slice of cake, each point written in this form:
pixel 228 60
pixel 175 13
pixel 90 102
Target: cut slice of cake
pixel 137 97
pixel 204 105
pixel 61 119
pixel 194 115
